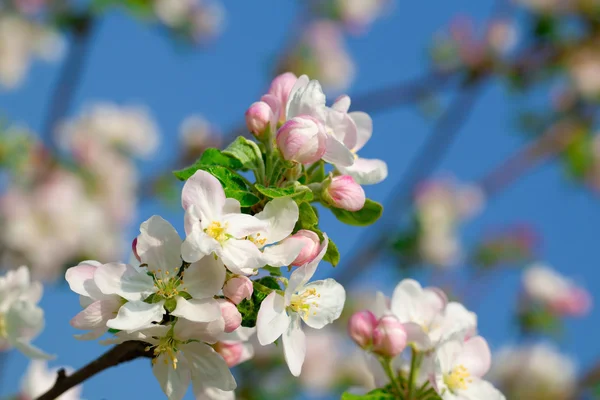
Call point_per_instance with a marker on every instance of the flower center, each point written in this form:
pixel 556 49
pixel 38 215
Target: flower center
pixel 257 240
pixel 458 378
pixel 302 302
pixel 168 286
pixel 168 346
pixel 217 231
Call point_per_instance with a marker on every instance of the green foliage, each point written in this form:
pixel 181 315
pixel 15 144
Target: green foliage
pixel 210 157
pixel 307 218
pixel 578 156
pixel 332 255
pixel 273 271
pixel 171 304
pixel 367 215
pixel 249 308
pixel 246 152
pixel 299 193
pixel 377 394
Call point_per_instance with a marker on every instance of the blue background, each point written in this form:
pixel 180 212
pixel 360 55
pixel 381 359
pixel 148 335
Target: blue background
pixel 130 63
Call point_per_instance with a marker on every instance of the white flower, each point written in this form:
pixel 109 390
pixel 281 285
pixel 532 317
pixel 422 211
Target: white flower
pixel 280 216
pixel 459 366
pixel 98 307
pixel 214 224
pixel 188 294
pixel 181 357
pixel 364 171
pixel 318 304
pixel 39 379
pixel 426 315
pixel 21 320
pixel 307 98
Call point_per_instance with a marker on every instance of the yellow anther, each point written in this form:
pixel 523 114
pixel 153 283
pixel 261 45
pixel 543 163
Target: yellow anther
pixel 458 378
pixel 217 231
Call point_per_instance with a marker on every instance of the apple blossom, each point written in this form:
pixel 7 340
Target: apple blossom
pixel 238 288
pixel 317 304
pixel 39 378
pixel 280 88
pixel 214 224
pixel 234 347
pixel 459 367
pixel 159 284
pixel 230 314
pixel 343 192
pixel 258 118
pixel 302 139
pixel 310 246
pixel 361 326
pixel 389 337
pixel 21 319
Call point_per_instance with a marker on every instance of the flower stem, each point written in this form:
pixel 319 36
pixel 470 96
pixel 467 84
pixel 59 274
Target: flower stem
pixel 413 373
pixel 386 363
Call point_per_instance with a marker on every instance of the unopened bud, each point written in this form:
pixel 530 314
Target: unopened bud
pixel 230 351
pixel 343 192
pixel 231 315
pixel 280 88
pixel 302 139
pixel 258 117
pixel 389 337
pixel 361 327
pixel 310 249
pixel 238 288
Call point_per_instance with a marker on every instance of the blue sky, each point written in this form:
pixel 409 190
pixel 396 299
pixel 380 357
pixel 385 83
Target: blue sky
pixel 131 63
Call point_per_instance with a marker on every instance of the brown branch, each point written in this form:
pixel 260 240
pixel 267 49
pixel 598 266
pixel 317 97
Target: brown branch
pixel 119 354
pixel 429 156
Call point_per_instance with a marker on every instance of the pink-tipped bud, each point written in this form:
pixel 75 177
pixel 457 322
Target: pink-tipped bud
pixel 230 351
pixel 577 302
pixel 238 288
pixel 361 327
pixel 134 249
pixel 343 192
pixel 258 117
pixel 231 315
pixel 311 245
pixel 280 88
pixel 389 337
pixel 302 139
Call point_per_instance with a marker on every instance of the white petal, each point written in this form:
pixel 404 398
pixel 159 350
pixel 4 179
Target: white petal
pixel 327 306
pixel 206 193
pixel 32 351
pixel 202 310
pixel 242 225
pixel 173 381
pixel 475 356
pixel 342 127
pixel 366 171
pixel 127 281
pixel 204 278
pixel 480 389
pixel 92 335
pixel 306 98
pixel 416 336
pixel 337 153
pixel 294 347
pixel 364 127
pixel 208 332
pixel 24 321
pixel 303 274
pixel 281 215
pixel 272 320
pixel 241 256
pixel 135 315
pixel 407 302
pixel 212 393
pixel 159 245
pixel 282 254
pixel 342 103
pixel 232 206
pixel 77 277
pixel 96 314
pixel 208 366
pixel 197 244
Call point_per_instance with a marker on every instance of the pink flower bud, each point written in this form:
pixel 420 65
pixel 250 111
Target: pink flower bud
pixel 577 302
pixel 238 288
pixel 361 327
pixel 231 315
pixel 343 192
pixel 389 337
pixel 134 248
pixel 311 247
pixel 302 139
pixel 230 351
pixel 280 88
pixel 258 117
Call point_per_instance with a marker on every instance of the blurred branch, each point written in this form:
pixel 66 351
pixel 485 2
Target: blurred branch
pixel 428 158
pixel 69 79
pixel 119 354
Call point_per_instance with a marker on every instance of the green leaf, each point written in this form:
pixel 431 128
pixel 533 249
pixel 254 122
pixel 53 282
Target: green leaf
pixel 185 295
pixel 299 193
pixel 245 198
pixel 153 298
pixel 332 255
pixel 307 218
pixel 246 152
pixel 210 157
pixel 111 330
pixel 273 271
pixel 370 213
pixel 171 304
pixel 377 394
pixel 249 308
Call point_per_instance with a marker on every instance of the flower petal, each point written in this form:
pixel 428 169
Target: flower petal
pixel 205 192
pixel 241 225
pixel 280 215
pixel 197 244
pixel 364 128
pixel 303 274
pixel 327 305
pixel 159 245
pixel 136 315
pixel 127 281
pixel 96 314
pixel 337 153
pixel 241 256
pixel 81 280
pixel 208 332
pixel 204 278
pixel 366 171
pixel 272 320
pixel 294 347
pixel 342 103
pixel 282 254
pixel 197 310
pixel 208 366
pixel 306 98
pixel 475 356
pixel 173 381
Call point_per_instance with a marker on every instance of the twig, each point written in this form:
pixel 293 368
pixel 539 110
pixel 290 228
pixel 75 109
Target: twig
pixel 70 77
pixel 119 354
pixel 429 156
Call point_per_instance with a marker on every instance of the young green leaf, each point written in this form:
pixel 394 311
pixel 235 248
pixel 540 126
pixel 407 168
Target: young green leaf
pixel 307 218
pixel 377 394
pixel 246 152
pixel 367 215
pixel 332 255
pixel 210 157
pixel 299 193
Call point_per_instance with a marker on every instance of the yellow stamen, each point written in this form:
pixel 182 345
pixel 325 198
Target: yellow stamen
pixel 217 231
pixel 458 378
pixel 302 302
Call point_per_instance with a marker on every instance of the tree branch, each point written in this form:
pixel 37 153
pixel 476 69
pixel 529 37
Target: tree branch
pixel 119 354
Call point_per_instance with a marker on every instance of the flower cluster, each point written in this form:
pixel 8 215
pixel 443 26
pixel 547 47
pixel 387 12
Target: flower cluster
pixel 197 300
pixel 447 359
